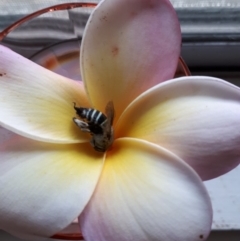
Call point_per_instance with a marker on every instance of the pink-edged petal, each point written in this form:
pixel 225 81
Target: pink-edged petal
pixel 37 103
pixel 146 193
pixel 44 186
pixel 128 47
pixel 197 118
pixel 5 135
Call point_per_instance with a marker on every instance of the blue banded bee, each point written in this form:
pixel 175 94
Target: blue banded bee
pixel 97 124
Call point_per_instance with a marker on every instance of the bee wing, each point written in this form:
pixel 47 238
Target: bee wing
pixel 109 111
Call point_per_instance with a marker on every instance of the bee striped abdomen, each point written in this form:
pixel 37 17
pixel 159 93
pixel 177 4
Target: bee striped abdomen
pixel 92 116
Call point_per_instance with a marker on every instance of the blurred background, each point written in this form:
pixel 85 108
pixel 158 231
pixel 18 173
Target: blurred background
pixel 211 46
pixel 210 31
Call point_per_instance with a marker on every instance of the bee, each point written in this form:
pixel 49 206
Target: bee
pixel 98 124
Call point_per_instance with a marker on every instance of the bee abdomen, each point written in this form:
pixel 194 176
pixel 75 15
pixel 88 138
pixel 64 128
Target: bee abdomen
pixel 94 116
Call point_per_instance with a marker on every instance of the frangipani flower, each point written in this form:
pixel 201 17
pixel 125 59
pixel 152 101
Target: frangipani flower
pixel 168 135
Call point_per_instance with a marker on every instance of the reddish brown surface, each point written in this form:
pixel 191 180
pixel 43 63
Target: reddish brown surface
pixel 65 57
pixel 182 69
pixel 44 10
pixel 72 236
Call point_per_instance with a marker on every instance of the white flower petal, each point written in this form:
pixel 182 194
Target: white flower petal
pixel 44 187
pixel 128 47
pixel 146 193
pixel 197 118
pixel 36 102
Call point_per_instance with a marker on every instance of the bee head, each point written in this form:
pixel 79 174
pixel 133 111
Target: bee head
pixel 80 111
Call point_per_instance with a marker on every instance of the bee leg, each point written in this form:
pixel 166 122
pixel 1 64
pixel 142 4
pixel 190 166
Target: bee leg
pixel 81 124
